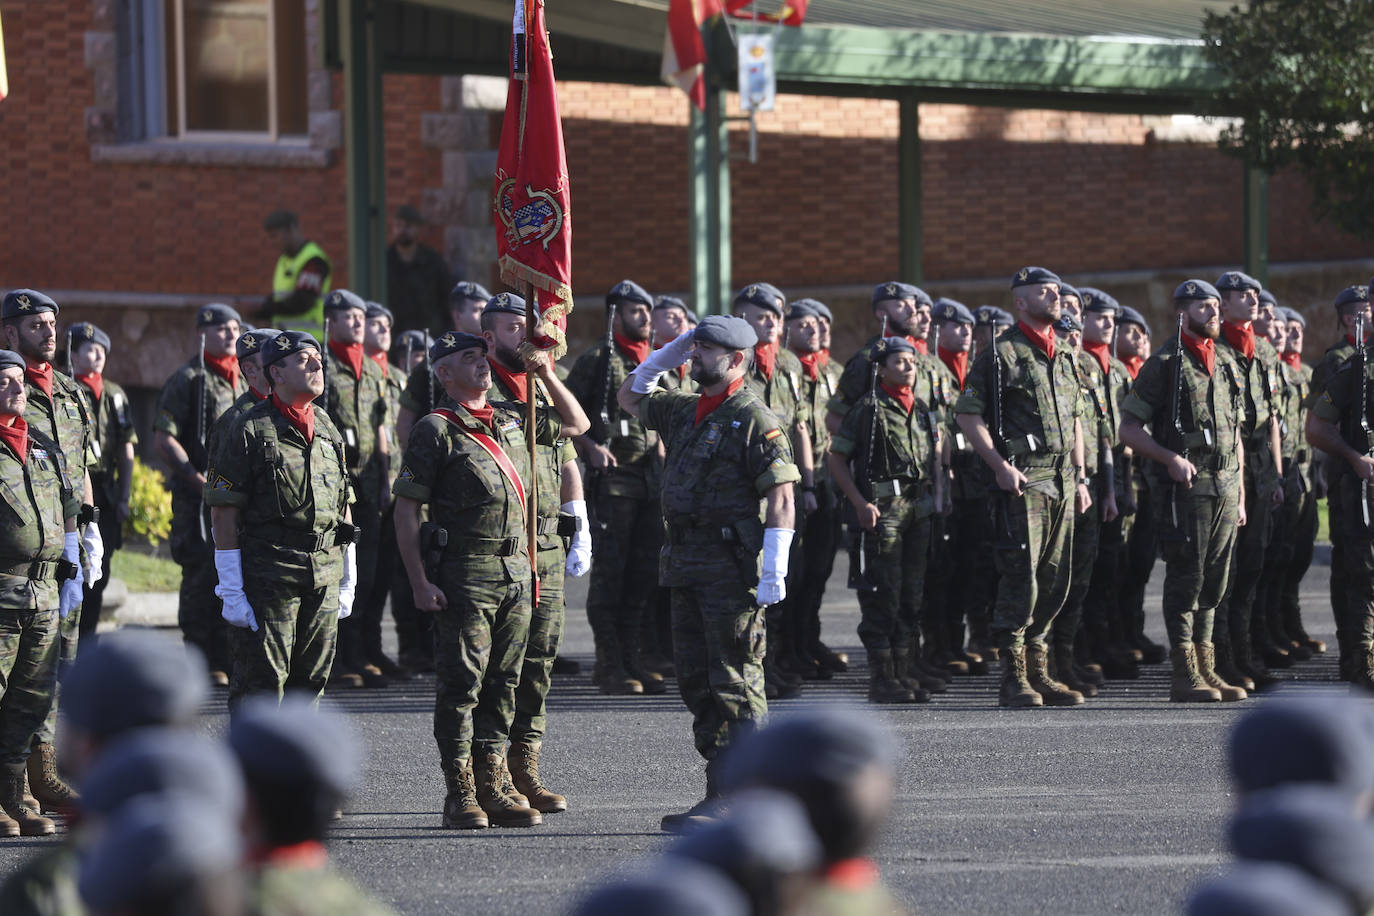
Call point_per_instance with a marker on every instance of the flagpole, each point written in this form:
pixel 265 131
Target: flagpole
pixel 531 390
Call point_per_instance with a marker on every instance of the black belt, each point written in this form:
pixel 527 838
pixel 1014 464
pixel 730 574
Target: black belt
pixel 484 547
pixel 1215 462
pixel 1040 461
pixel 337 536
pixel 42 570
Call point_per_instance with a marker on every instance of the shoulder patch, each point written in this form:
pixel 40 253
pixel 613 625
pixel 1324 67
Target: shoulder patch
pixel 772 434
pixel 221 484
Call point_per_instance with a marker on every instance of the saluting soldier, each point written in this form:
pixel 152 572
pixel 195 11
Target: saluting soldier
pixel 1190 395
pixel 112 442
pixel 1020 411
pixel 40 583
pixel 56 409
pixel 279 500
pixel 1301 487
pixel 624 471
pixel 727 500
pixel 191 401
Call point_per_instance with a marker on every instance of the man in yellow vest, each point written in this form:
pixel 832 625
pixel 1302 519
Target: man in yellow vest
pixel 301 279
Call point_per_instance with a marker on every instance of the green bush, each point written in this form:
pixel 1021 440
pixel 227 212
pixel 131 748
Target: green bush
pixel 150 506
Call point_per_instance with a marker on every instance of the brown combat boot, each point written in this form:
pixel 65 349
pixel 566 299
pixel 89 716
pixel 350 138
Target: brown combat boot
pixel 9 827
pixel 30 822
pixel 1224 667
pixel 522 761
pixel 1016 691
pixel 508 788
pixel 1205 656
pixel 1067 673
pixel 28 794
pixel 501 809
pixel 885 685
pixel 48 788
pixel 461 811
pixel 1187 685
pixel 611 679
pixel 1052 692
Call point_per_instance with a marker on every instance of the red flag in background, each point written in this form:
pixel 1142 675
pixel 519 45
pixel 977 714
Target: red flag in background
pixel 684 53
pixel 791 13
pixel 533 202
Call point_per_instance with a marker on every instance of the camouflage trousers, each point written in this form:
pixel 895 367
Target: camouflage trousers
pixel 718 649
pixel 1268 625
pixel 294 647
pixel 1087 533
pixel 626 538
pixel 819 541
pixel 1140 548
pixel 479 643
pixel 363 627
pixel 198 607
pixel 28 679
pixel 1299 560
pixel 1343 520
pixel 1247 565
pixel 895 557
pixel 962 578
pixel 1197 556
pixel 541 647
pixel 1033 549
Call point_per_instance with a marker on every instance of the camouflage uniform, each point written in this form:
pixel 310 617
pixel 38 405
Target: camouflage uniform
pixel 414 628
pixel 291 496
pixel 1337 523
pixel 1197 551
pixel 821 529
pixel 1033 532
pixel 484 573
pixel 303 890
pixel 198 608
pixel 716 474
pixel 45 884
pixel 1271 630
pixel 1300 502
pixel 112 428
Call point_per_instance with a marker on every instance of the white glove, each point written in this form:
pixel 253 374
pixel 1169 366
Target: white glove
pixel 671 355
pixel 348 585
pixel 777 545
pixel 71 594
pixel 95 553
pixel 237 611
pixel 580 552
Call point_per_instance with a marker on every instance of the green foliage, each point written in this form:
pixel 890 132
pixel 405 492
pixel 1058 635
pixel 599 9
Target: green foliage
pixel 150 506
pixel 143 573
pixel 1300 77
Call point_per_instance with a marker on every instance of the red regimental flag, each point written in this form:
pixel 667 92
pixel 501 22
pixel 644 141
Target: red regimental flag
pixel 533 201
pixel 792 12
pixel 684 52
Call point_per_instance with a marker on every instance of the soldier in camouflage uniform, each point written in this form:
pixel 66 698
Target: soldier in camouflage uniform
pixel 1299 488
pixel 248 348
pixel 414 631
pixel 1189 394
pixel 58 410
pixel 468 462
pixel 355 395
pixel 39 582
pixel 886 461
pixel 1024 392
pixel 112 445
pixel 191 401
pixel 1237 660
pixel 624 468
pixel 279 501
pixel 727 498
pixel 1353 311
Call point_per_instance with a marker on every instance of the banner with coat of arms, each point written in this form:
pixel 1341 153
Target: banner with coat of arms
pixel 533 202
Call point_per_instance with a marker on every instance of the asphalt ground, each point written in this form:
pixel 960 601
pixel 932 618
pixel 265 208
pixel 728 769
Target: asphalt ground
pixel 1116 806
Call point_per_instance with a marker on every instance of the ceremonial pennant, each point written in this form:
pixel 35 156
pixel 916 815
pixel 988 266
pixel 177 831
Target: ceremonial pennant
pixel 792 12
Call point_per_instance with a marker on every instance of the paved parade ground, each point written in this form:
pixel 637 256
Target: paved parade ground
pixel 1116 806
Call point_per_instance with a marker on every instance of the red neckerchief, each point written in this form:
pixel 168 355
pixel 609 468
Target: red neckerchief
pixel 15 434
pixel 825 356
pixel 1292 358
pixel 40 375
pixel 851 874
pixel 350 354
pixel 903 395
pixel 1133 364
pixel 226 367
pixel 956 361
pixel 1241 337
pixel 1101 352
pixel 637 350
pixel 811 363
pixel 920 344
pixel 1045 342
pixel 1350 339
pixel 93 381
pixel 380 359
pixel 709 402
pixel 481 414
pixel 257 394
pixel 310 854
pixel 517 382
pixel 1204 348
pixel 766 358
pixel 303 418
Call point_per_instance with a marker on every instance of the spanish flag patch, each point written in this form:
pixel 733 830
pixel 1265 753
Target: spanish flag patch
pixel 772 434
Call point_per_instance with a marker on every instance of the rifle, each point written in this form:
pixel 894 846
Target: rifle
pixel 324 364
pixel 1001 497
pixel 1362 361
pixel 410 349
pixel 71 373
pixel 429 374
pixel 200 429
pixel 606 393
pixel 859 566
pixel 1178 419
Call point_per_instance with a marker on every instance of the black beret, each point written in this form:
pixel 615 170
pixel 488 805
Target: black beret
pixel 763 295
pixel 1264 889
pixel 766 837
pixel 377 310
pixel 629 291
pixel 250 343
pixel 343 299
pixel 507 303
pixel 133 678
pixel 21 302
pixel 466 289
pixel 1351 295
pixel 1067 324
pixel 670 302
pixel 416 340
pixel 895 289
pixel 159 761
pixel 1195 290
pixel 1288 741
pixel 726 331
pixel 84 331
pixel 1313 829
pixel 407 213
pixel 1131 316
pixel 823 310
pixel 886 346
pixel 676 888
pixel 286 343
pixel 1094 300
pixel 951 310
pixel 776 293
pixel 1234 280
pixel 803 308
pixel 1293 315
pixel 1267 298
pixel 216 313
pixel 11 360
pixel 1034 276
pixel 280 219
pixel 294 743
pixel 1066 289
pixel 451 342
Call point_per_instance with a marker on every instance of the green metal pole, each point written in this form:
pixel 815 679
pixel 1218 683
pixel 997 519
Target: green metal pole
pixel 909 239
pixel 363 147
pixel 1257 223
pixel 699 209
pixel 720 174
